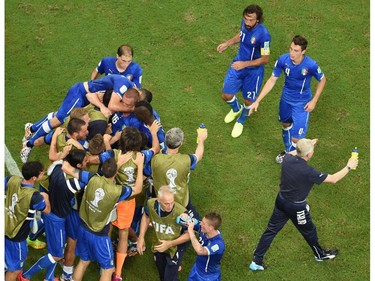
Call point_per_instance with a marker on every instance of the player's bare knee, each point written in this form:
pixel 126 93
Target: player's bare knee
pixel 226 97
pixel 286 125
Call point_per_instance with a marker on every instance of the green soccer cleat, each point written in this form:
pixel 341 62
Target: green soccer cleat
pixel 36 244
pixel 232 115
pixel 237 130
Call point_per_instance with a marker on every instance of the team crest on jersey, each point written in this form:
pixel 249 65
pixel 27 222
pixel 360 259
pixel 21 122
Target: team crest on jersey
pixel 130 77
pixel 304 71
pixel 253 40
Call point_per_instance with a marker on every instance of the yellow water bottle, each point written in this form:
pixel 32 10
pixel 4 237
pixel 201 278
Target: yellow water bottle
pixel 354 154
pixel 201 128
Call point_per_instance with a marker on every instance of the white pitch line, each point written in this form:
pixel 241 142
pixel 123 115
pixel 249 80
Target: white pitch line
pixel 11 164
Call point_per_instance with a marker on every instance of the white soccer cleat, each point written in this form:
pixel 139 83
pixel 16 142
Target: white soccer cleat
pixel 25 152
pixel 28 133
pixel 280 158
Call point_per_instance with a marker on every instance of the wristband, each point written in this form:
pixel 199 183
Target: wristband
pixel 349 169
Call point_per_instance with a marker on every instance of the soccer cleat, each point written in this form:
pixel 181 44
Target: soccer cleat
pixel 327 255
pixel 63 277
pixel 132 249
pixel 28 133
pixel 25 152
pixel 237 130
pixel 279 158
pixel 36 244
pixel 21 278
pixel 116 277
pixel 254 266
pixel 232 115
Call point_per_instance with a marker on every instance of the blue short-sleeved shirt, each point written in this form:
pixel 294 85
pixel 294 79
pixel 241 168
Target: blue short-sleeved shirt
pixel 133 72
pixel 297 78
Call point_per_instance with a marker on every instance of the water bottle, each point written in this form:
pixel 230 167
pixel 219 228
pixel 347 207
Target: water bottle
pixel 201 128
pixel 354 154
pixel 182 221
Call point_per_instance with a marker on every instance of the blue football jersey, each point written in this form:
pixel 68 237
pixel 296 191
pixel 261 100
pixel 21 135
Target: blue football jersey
pixel 210 264
pixel 133 72
pixel 297 83
pixel 119 83
pixel 119 122
pixel 254 43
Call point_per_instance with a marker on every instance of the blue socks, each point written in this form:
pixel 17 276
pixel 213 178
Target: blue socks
pixel 43 130
pixel 244 114
pixel 234 104
pixel 287 139
pixel 44 262
pixel 35 127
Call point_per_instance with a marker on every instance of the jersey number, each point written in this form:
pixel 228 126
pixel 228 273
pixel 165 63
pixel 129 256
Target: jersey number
pixel 251 95
pixel 242 36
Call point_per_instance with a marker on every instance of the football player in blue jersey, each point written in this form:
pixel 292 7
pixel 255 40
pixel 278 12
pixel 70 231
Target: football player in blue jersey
pixel 121 64
pixel 210 248
pixel 80 95
pixel 247 69
pixel 297 100
pixel 61 192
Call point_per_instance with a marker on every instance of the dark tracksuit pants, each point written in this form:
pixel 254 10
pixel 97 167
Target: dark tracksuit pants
pixel 167 266
pixel 299 214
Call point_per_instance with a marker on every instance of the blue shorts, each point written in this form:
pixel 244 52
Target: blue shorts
pixel 93 247
pixel 15 254
pixel 55 234
pixel 195 276
pixel 76 97
pixel 72 224
pixel 249 80
pixel 296 114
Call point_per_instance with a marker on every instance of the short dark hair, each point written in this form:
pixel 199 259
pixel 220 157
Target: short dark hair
pixel 31 169
pixel 75 125
pixel 146 94
pixel 96 145
pixel 143 111
pixel 251 9
pixel 300 41
pixel 214 218
pixel 75 157
pixel 109 168
pixel 130 140
pixel 125 48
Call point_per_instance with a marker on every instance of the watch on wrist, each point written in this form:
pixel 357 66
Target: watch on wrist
pixel 349 169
